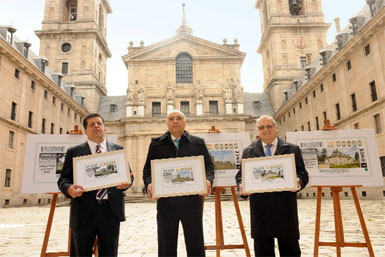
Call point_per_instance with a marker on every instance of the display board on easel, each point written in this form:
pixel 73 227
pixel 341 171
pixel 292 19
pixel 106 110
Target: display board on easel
pixel 340 157
pixel 226 150
pixel 44 159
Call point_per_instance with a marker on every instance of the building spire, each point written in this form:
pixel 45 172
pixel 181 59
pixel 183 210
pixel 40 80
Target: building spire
pixel 184 28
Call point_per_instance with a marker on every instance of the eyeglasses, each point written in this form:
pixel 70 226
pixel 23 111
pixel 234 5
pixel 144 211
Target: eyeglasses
pixel 267 127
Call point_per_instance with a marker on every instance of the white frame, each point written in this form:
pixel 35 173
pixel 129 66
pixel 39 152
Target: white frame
pixel 286 164
pixel 88 179
pixel 163 188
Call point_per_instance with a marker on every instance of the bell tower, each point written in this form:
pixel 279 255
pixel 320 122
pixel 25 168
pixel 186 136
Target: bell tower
pixel 293 32
pixel 73 39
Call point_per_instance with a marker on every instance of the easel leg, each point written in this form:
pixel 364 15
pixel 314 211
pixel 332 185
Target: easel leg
pixel 241 227
pixel 49 225
pixel 218 221
pixel 362 221
pixel 338 219
pixel 317 221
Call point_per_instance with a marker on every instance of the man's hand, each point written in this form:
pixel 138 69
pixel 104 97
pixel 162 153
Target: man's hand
pixel 298 187
pixel 208 189
pixel 241 190
pixel 149 192
pixel 123 186
pixel 75 191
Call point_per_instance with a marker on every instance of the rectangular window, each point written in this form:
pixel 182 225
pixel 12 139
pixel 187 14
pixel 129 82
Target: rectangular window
pixel 156 109
pixel 13 111
pixel 45 94
pixel 185 107
pixel 30 115
pixel 53 100
pixel 61 106
pixel 17 73
pixel 300 105
pixel 68 111
pixel 349 65
pixel 367 49
pixel 354 103
pixel 52 128
pixel 308 126
pixel 60 130
pixel 316 123
pixel 64 68
pixel 289 114
pixel 377 121
pixel 303 128
pixel 213 108
pixel 373 91
pixel 322 87
pixel 32 85
pixel 338 111
pixel 314 93
pixel 334 77
pixel 302 61
pixel 7 178
pixel 10 139
pixel 325 118
pixel 357 125
pixel 75 116
pixel 306 100
pixel 113 108
pixel 43 126
pixel 294 110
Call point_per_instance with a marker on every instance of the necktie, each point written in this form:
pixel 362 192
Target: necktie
pixel 176 140
pixel 101 192
pixel 268 151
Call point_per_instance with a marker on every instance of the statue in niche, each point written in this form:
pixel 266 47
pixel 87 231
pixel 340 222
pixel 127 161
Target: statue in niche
pixel 140 95
pixel 199 91
pixel 238 92
pixel 170 92
pixel 227 93
pixel 130 93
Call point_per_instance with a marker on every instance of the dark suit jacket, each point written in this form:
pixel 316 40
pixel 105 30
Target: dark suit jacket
pixel 275 214
pixel 82 207
pixel 163 147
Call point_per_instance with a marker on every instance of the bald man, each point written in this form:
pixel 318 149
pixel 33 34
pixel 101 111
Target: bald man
pixel 177 142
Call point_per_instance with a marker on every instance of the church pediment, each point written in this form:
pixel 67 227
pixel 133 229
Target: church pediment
pixel 170 48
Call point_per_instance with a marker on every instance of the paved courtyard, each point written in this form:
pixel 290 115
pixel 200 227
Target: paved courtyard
pixel 22 229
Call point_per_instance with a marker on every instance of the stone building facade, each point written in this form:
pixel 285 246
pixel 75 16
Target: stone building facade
pixel 33 100
pixel 345 83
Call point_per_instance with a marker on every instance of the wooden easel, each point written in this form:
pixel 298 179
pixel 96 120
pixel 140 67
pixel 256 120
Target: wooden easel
pixel 340 241
pixel 220 245
pixel 47 233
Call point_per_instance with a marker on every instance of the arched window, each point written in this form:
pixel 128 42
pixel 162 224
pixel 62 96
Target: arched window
pixel 184 72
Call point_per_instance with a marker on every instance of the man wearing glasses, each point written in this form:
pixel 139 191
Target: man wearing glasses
pixel 274 214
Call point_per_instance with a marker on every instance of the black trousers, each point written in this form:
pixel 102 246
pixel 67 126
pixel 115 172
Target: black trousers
pixel 103 224
pixel 264 247
pixel 168 225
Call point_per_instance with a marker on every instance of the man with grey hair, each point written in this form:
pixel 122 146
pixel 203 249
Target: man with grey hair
pixel 274 214
pixel 177 142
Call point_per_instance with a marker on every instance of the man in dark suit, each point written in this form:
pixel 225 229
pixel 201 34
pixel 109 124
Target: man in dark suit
pixel 177 142
pixel 275 214
pixel 93 215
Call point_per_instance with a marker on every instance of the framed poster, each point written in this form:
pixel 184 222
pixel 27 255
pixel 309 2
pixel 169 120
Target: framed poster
pixel 226 150
pixel 101 170
pixel 44 159
pixel 340 157
pixel 178 176
pixel 269 174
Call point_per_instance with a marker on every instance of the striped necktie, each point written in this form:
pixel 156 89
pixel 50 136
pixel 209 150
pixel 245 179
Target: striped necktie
pixel 101 192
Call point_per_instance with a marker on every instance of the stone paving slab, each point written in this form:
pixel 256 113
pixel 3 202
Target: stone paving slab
pixel 22 229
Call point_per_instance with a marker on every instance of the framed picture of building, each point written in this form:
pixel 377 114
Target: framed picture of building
pixel 178 176
pixel 269 174
pixel 340 157
pixel 226 150
pixel 101 170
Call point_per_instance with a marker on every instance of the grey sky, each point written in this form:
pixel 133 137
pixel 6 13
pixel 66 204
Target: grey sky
pixel 157 20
